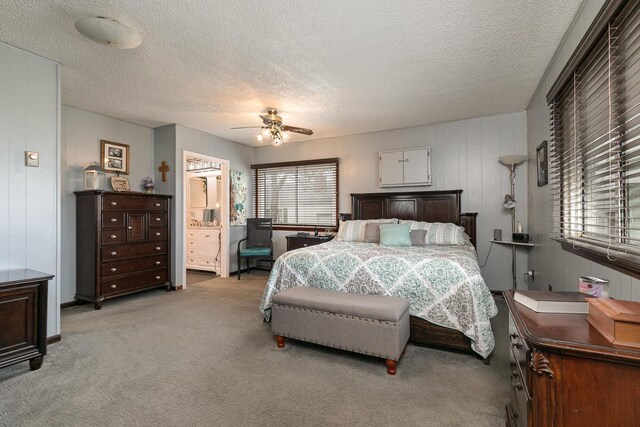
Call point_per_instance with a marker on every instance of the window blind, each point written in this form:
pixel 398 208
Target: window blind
pixel 595 148
pixel 301 193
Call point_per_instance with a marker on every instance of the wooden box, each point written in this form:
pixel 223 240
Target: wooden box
pixel 618 321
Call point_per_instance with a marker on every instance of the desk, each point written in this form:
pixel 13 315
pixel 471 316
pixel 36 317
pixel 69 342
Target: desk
pixel 23 316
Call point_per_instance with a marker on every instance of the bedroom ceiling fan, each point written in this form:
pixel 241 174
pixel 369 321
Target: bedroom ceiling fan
pixel 274 130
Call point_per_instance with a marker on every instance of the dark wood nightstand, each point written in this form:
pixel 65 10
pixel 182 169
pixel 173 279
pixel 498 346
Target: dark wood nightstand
pixel 296 241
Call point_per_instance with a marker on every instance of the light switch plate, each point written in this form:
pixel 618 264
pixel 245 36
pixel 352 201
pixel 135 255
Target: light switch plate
pixel 32 158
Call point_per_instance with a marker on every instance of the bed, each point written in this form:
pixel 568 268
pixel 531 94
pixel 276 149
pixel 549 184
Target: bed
pixel 449 302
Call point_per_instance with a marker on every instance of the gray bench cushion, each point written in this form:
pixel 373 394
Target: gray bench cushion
pixel 378 307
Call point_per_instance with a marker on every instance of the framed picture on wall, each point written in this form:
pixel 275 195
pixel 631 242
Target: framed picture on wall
pixel 115 157
pixel 542 160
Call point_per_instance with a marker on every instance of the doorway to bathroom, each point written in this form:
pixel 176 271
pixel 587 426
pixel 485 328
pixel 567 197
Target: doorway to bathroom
pixel 206 224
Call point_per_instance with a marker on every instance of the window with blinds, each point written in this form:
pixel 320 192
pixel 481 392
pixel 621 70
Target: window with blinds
pixel 595 150
pixel 303 193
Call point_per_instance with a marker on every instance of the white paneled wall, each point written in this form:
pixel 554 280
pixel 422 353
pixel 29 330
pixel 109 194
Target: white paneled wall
pixel 464 155
pixel 551 264
pixel 29 202
pixel 81 135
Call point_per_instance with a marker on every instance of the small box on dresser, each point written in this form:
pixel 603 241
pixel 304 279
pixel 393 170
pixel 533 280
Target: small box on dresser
pixel 123 244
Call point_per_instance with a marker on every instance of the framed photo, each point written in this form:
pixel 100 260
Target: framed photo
pixel 115 157
pixel 542 160
pixel 120 183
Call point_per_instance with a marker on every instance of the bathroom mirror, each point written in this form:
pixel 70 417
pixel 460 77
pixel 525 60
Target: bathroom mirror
pixel 198 192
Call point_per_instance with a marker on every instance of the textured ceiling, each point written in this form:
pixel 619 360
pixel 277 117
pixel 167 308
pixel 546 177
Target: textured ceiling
pixel 337 67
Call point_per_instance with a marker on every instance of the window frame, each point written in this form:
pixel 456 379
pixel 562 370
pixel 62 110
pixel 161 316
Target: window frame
pixel 577 244
pixel 298 227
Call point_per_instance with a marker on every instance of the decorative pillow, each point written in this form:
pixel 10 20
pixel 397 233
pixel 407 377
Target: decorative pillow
pixel 418 237
pixel 353 230
pixel 445 234
pixel 372 233
pixel 395 235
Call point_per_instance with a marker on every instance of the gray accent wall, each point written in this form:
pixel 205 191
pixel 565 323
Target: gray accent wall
pixel 464 155
pixel 170 143
pixel 551 264
pixel 81 135
pixel 29 196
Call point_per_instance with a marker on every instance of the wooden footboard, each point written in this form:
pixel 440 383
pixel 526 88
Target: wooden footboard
pixel 423 332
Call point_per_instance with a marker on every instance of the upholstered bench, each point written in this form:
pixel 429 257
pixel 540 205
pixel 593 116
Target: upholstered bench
pixel 375 325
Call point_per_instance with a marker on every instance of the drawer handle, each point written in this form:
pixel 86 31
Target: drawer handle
pixel 113 236
pixel 206 235
pixel 157 205
pixel 158 248
pixel 113 220
pixel 157 277
pixel 157 234
pixel 113 203
pixel 113 286
pixel 516 386
pixel 114 253
pixel 157 262
pixel 516 345
pixel 158 219
pixel 129 227
pixel 514 374
pixel 113 269
pixel 513 336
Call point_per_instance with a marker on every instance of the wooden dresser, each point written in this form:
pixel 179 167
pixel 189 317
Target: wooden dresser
pixel 23 317
pixel 123 244
pixel 564 373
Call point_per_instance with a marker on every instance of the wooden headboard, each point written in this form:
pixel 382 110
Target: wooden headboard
pixel 429 206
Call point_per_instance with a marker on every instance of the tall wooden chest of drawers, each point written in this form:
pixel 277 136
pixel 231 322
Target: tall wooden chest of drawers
pixel 123 244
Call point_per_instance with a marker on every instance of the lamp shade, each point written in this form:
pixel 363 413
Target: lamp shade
pixel 108 31
pixel 514 159
pixel 509 201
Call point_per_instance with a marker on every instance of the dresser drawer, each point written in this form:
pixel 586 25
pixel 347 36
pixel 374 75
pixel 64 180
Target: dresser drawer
pixel 134 281
pixel 158 234
pixel 117 202
pixel 112 236
pixel 157 220
pixel 114 252
pixel 116 268
pixel 112 219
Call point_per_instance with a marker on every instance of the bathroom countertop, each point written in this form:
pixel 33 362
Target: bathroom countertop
pixel 202 227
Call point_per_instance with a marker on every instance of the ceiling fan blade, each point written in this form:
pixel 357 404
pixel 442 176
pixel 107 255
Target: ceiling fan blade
pixel 297 130
pixel 247 127
pixel 266 119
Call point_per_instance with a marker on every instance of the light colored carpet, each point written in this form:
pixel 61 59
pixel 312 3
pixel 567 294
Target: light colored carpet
pixel 203 356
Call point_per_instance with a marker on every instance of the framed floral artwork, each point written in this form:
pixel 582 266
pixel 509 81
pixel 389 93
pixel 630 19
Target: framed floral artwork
pixel 115 157
pixel 238 198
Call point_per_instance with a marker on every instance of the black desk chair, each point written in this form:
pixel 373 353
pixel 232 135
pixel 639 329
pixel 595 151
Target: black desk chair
pixel 259 243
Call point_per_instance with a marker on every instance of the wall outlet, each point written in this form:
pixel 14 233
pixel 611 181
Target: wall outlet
pixel 550 287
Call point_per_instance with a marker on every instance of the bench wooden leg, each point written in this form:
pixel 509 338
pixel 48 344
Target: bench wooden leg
pixel 280 340
pixel 391 366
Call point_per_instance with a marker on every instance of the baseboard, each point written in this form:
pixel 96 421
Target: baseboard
pixel 69 304
pixel 53 339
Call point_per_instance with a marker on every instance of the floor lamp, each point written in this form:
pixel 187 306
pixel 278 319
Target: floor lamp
pixel 510 202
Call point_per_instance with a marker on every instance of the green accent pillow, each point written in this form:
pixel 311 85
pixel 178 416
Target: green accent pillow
pixel 395 235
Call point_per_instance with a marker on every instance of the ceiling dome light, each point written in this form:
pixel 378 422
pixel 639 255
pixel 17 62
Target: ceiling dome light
pixel 108 31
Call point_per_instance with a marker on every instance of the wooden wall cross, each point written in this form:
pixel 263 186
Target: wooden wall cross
pixel 164 168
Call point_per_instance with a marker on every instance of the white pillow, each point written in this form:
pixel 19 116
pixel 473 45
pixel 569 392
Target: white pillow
pixel 445 234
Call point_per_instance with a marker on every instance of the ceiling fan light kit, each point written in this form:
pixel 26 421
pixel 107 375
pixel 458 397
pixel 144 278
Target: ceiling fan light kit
pixel 109 32
pixel 273 130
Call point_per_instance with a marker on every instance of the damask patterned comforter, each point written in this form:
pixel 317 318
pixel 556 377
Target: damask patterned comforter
pixel 443 283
